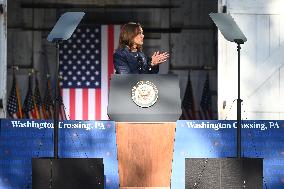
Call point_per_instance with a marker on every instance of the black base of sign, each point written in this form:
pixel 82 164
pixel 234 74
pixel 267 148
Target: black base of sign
pixel 224 173
pixel 71 173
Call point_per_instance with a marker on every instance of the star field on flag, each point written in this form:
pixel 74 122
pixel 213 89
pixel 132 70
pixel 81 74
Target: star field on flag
pixel 80 65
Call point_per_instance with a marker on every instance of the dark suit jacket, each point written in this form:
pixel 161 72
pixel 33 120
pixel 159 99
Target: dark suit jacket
pixel 127 62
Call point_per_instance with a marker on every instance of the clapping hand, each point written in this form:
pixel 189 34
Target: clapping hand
pixel 158 58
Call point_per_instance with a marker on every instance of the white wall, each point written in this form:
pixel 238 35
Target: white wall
pixel 262 60
pixel 3 55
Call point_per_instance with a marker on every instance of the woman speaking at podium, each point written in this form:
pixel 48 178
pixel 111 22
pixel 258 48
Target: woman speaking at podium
pixel 129 57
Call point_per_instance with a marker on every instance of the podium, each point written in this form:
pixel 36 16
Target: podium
pixel 145 135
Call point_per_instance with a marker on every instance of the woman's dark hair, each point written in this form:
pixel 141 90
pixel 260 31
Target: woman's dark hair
pixel 127 34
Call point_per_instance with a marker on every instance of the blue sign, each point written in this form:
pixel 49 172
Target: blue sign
pixel 22 140
pixel 217 139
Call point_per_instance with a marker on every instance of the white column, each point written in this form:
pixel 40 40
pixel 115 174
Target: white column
pixel 3 55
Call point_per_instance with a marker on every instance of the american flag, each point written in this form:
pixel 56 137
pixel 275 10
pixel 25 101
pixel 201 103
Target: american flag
pixel 206 101
pixel 188 107
pixel 86 64
pixel 37 98
pixel 47 101
pixel 14 106
pixel 30 109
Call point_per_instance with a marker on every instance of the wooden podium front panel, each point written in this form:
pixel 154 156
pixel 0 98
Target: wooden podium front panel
pixel 145 153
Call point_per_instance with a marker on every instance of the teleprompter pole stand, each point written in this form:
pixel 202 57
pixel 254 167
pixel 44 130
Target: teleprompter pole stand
pixel 232 33
pixel 56 102
pixel 240 171
pixel 62 30
pixel 239 101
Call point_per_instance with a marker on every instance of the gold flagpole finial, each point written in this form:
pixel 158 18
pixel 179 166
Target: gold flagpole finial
pixel 15 68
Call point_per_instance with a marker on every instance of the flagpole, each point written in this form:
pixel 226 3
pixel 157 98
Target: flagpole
pixel 18 95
